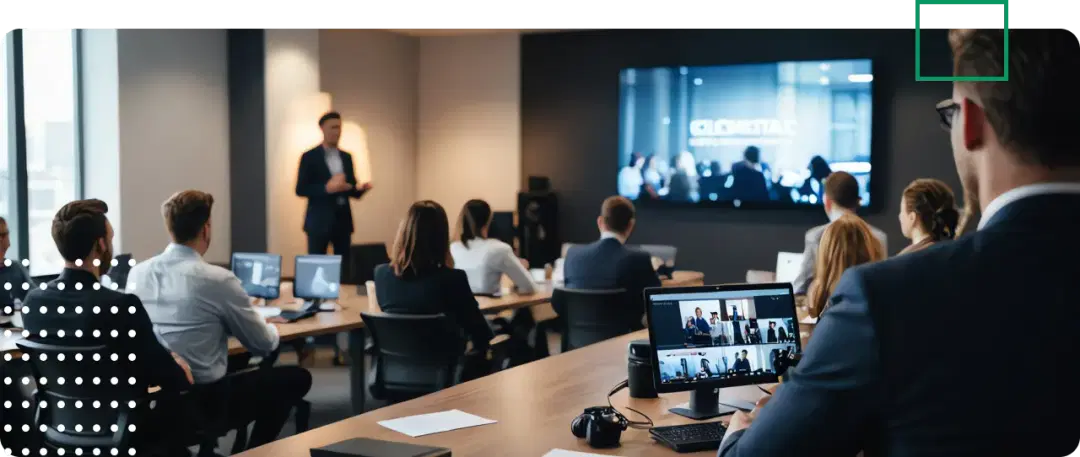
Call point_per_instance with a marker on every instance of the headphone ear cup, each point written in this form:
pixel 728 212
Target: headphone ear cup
pixel 579 426
pixel 602 433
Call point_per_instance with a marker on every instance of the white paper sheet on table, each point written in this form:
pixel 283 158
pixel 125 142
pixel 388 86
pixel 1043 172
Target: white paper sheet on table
pixel 565 453
pixel 426 424
pixel 267 312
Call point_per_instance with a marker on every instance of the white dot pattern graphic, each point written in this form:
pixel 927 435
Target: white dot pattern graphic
pixel 71 312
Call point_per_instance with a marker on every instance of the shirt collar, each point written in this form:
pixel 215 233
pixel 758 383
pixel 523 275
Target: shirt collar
pixel 181 250
pixel 837 213
pixel 1023 192
pixel 606 234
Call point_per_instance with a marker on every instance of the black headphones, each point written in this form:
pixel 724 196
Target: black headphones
pixel 602 426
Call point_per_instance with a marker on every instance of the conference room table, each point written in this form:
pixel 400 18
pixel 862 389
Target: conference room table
pixel 346 319
pixel 533 405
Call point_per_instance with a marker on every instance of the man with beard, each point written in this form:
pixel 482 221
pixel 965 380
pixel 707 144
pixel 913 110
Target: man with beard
pixel 196 306
pixel 75 309
pixel 868 383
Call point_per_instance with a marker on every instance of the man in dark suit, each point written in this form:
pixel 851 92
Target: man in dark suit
pixel 70 308
pixel 748 175
pixel 609 264
pixel 327 178
pixel 873 379
pixel 770 337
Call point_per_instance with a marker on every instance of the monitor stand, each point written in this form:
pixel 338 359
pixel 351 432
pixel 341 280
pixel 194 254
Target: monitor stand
pixel 704 404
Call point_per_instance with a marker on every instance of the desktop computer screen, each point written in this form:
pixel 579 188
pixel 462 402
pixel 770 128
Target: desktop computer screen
pixel 318 277
pixel 260 274
pixel 720 336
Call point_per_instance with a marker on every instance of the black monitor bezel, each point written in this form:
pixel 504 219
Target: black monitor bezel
pixel 232 268
pixel 719 383
pixel 296 268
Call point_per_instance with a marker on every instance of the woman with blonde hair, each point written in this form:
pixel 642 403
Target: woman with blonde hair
pixel 847 242
pixel 927 214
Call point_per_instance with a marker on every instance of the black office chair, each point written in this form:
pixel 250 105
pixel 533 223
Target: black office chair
pixel 591 316
pixel 86 410
pixel 414 355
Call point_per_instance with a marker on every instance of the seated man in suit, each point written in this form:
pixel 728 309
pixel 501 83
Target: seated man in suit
pixel 841 197
pixel 84 237
pixel 196 306
pixel 872 380
pixel 609 264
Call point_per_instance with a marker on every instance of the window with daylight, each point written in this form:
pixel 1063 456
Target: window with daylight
pixel 43 154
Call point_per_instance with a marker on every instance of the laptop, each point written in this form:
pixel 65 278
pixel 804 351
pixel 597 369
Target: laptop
pixel 665 253
pixel 788 265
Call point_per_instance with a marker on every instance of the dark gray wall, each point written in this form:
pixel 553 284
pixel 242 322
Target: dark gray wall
pixel 247 139
pixel 569 124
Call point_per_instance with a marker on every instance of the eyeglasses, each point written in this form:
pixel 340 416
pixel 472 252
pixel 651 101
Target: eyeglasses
pixel 947 110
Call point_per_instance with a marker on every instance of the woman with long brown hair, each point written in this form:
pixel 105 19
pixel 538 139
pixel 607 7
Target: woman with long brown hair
pixel 927 214
pixel 847 242
pixel 421 279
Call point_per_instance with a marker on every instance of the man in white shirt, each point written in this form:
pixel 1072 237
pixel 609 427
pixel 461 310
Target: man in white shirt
pixel 196 307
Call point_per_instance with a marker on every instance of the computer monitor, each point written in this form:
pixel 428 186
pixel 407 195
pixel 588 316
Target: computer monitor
pixel 788 265
pixel 502 227
pixel 711 337
pixel 259 273
pixel 317 277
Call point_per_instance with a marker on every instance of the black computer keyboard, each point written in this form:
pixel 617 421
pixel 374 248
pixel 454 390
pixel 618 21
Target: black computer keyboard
pixel 691 437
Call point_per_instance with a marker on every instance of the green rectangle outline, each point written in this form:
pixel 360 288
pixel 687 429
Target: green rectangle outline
pixel 918 46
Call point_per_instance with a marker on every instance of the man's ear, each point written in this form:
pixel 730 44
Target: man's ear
pixel 973 123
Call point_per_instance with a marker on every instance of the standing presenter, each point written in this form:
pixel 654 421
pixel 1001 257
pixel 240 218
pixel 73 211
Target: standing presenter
pixel 327 178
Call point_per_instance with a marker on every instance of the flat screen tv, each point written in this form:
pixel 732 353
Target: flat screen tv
pixel 759 135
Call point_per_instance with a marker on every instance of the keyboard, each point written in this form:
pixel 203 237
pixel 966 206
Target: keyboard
pixel 691 437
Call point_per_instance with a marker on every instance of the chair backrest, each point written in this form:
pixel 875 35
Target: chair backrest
pixel 414 354
pixel 593 315
pixel 83 391
pixel 363 258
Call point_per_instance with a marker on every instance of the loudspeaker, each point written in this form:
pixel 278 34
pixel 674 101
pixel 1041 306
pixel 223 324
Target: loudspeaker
pixel 639 370
pixel 538 227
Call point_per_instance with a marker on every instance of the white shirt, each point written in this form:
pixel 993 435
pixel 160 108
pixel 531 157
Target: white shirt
pixel 1023 192
pixel 630 181
pixel 333 160
pixel 485 261
pixel 195 307
pixel 605 235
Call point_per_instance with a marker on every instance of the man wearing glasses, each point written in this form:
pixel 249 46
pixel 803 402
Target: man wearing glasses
pixel 879 377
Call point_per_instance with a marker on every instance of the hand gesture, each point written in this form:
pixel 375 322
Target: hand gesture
pixel 184 366
pixel 337 184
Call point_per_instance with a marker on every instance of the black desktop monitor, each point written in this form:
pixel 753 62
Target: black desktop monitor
pixel 317 277
pixel 711 337
pixel 259 273
pixel 502 227
pixel 118 273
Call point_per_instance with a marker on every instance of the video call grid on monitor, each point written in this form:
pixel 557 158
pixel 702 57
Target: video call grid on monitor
pixel 259 273
pixel 318 277
pixel 720 335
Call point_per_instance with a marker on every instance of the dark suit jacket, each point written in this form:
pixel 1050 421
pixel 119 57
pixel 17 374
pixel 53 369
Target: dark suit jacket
pixel 311 181
pixel 748 183
pixel 153 363
pixel 877 377
pixel 444 291
pixel 608 264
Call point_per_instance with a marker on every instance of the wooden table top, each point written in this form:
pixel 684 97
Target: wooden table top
pixel 351 304
pixel 533 404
